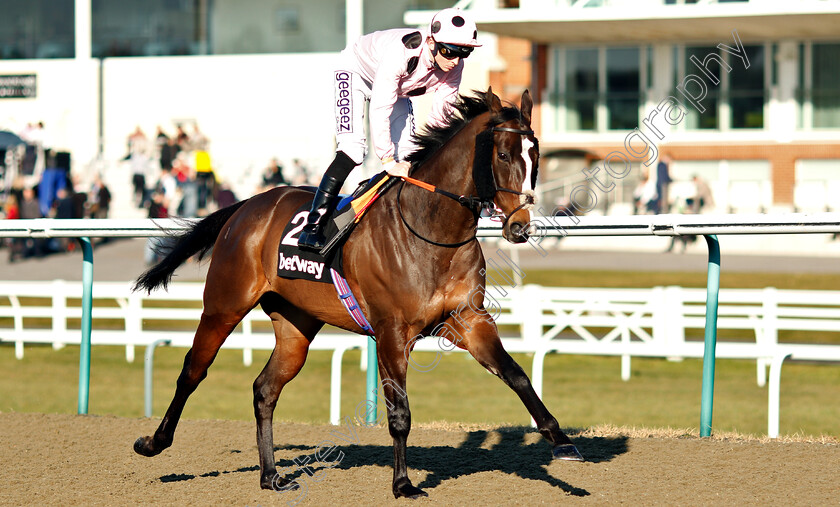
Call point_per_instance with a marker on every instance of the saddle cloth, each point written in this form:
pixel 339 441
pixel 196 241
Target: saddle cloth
pixel 296 263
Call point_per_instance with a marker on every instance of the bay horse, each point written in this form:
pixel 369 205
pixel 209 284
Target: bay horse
pixel 406 282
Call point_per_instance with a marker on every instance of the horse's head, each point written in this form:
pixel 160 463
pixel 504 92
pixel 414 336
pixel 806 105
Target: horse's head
pixel 506 160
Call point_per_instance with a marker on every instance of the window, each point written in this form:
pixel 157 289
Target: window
pixel 37 29
pixel 601 87
pixel 708 119
pixel 220 27
pixel 825 85
pixel 746 90
pixel 623 91
pixel 150 28
pixel 581 88
pixel 740 92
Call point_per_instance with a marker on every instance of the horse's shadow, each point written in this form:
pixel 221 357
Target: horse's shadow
pixel 504 450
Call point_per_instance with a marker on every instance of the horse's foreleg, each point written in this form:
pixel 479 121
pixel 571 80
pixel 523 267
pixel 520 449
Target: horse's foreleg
pixel 479 335
pixel 211 333
pixel 283 365
pixel 393 366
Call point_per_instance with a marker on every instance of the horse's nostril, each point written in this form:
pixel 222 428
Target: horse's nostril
pixel 518 231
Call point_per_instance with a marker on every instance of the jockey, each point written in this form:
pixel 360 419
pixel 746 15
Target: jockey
pixel 388 68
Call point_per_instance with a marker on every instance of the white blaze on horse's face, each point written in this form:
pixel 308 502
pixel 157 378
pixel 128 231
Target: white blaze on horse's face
pixel 527 144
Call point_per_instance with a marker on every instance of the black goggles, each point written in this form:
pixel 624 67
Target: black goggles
pixel 451 51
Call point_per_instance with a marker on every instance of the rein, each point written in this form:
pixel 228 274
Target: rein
pixel 473 203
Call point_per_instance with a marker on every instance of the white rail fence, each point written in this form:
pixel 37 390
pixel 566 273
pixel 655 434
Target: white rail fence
pixel 612 322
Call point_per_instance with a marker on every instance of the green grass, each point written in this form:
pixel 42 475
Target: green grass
pixel 581 391
pixel 644 279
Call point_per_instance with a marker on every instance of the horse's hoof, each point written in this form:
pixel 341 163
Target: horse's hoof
pixel 566 452
pixel 407 490
pixel 278 483
pixel 144 446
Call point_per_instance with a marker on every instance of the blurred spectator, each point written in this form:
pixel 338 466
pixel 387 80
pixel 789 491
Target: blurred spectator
pixel 53 179
pixel 137 143
pixel 225 196
pixel 168 153
pixel 301 173
pixel 189 192
pixel 100 198
pixel 198 141
pixel 167 187
pixel 182 139
pixel 62 206
pixel 29 209
pixel 205 179
pixel 663 182
pixel 138 156
pixel 180 170
pixel 157 206
pixel 160 140
pixel 702 195
pixel 35 160
pixel 152 252
pixel 80 201
pixel 645 198
pixel 273 175
pixel 11 211
pixel 700 198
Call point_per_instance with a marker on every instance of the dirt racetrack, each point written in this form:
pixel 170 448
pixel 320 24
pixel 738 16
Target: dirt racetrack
pixel 88 460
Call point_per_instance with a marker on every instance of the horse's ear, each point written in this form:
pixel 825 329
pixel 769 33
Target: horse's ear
pixel 492 101
pixel 526 105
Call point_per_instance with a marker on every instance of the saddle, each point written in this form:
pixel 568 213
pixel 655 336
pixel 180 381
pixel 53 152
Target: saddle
pixel 295 262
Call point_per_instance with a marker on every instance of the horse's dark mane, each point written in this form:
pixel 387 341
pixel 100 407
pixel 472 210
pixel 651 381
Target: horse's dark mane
pixel 466 109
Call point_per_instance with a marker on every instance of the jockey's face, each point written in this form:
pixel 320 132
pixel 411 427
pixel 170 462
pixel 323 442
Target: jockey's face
pixel 441 62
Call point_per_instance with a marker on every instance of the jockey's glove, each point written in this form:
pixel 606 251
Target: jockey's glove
pixel 394 168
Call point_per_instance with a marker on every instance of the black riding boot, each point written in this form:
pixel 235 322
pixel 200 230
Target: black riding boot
pixel 312 237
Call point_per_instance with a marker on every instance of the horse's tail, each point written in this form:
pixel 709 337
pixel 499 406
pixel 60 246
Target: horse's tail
pixel 198 239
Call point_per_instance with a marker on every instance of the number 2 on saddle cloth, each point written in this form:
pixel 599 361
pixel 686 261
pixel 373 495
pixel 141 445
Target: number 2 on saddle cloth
pixel 325 266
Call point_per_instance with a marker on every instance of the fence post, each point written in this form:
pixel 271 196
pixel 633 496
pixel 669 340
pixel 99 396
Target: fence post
pixel 335 385
pixel 87 304
pixel 247 334
pixel 710 340
pixel 528 303
pixel 18 318
pixel 769 335
pixel 773 394
pixel 148 373
pixel 674 321
pixel 372 380
pixel 537 370
pixel 133 321
pixel 59 313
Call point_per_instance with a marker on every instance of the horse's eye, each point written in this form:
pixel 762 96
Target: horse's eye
pixel 503 156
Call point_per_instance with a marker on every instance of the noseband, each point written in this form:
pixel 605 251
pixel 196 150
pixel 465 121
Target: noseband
pixel 487 189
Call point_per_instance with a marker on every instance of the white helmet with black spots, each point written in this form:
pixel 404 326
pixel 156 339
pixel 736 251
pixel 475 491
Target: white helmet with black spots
pixel 454 26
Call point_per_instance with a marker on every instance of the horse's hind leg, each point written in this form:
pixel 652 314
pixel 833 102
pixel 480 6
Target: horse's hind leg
pixel 211 333
pixel 286 360
pixel 479 335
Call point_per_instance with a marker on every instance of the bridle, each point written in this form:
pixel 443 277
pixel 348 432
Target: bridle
pixel 486 190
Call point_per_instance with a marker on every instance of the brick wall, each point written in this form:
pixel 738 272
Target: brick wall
pixel 516 77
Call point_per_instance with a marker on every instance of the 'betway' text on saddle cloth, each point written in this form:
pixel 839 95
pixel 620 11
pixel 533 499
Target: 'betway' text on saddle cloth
pixel 292 262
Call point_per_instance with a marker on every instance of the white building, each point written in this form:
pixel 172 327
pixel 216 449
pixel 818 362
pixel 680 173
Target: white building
pixel 255 76
pixel 758 82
